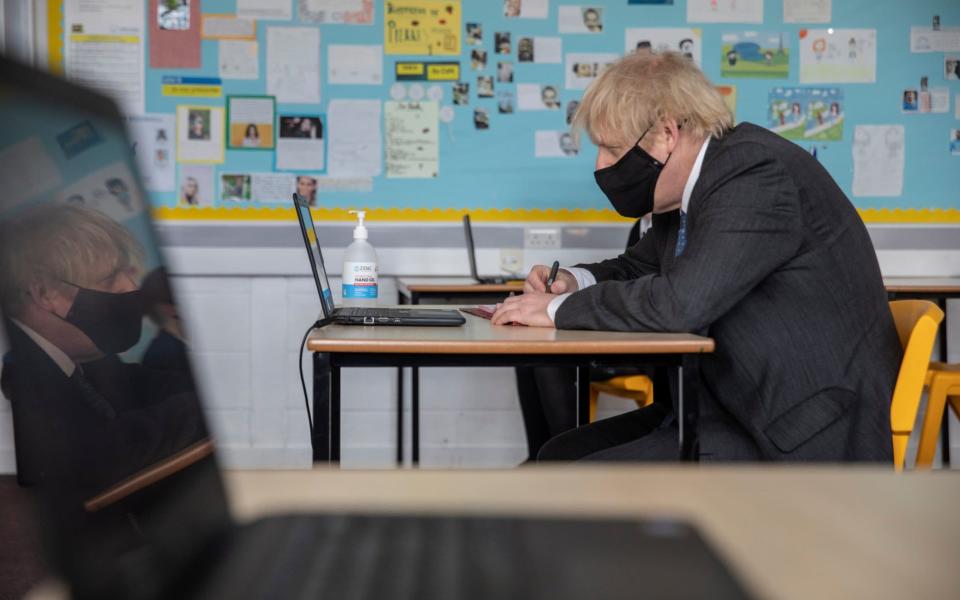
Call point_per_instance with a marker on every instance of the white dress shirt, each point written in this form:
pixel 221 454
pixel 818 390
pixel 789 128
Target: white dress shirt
pixel 585 278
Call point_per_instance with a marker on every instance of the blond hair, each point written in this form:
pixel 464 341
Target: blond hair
pixel 60 243
pixel 638 90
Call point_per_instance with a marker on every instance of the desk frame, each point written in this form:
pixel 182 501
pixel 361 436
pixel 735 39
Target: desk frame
pixel 325 437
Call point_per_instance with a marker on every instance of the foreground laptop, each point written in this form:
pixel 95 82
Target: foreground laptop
pixel 111 437
pixel 330 313
pixel 472 256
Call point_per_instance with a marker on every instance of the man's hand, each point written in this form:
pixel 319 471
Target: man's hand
pixel 530 308
pixel 537 281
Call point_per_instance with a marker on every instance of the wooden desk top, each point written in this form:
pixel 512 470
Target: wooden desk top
pixel 789 532
pixel 478 336
pixel 929 285
pixel 452 285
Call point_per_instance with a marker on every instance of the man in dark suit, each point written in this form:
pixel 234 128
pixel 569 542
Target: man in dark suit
pixel 83 419
pixel 753 244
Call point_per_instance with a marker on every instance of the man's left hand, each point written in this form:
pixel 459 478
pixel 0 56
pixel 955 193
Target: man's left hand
pixel 529 308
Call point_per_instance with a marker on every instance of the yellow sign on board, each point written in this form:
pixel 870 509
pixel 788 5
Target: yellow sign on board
pixel 409 69
pixel 422 27
pixel 192 91
pixel 443 72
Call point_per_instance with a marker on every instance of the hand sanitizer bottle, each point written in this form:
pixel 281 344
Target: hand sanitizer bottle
pixel 360 267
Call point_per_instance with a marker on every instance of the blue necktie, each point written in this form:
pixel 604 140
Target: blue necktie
pixel 681 235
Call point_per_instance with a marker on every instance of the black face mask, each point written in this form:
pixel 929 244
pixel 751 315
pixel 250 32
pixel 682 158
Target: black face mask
pixel 111 321
pixel 630 182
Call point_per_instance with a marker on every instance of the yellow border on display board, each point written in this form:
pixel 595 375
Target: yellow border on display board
pixel 562 215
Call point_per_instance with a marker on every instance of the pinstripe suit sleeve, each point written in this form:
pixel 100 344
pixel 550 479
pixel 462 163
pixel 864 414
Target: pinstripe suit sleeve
pixel 640 259
pixel 744 226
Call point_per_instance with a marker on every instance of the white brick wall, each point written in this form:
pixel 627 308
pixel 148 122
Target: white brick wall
pixel 246 333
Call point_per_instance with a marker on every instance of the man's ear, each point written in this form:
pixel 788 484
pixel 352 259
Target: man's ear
pixel 47 296
pixel 671 133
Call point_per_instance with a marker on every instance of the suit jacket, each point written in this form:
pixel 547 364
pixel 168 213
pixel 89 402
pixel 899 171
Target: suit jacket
pixel 84 436
pixel 780 271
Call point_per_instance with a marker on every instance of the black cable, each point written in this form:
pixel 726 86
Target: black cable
pixel 303 382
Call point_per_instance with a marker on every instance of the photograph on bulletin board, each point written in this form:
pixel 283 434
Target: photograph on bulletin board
pixel 250 122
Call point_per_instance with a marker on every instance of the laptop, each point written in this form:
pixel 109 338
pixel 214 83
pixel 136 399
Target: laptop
pixel 330 313
pixel 472 255
pixel 111 435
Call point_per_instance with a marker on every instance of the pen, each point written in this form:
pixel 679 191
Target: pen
pixel 553 275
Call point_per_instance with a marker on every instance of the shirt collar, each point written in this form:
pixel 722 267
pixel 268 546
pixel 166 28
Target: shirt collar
pixel 57 355
pixel 694 176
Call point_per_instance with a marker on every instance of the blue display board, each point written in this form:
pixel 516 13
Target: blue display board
pixel 494 171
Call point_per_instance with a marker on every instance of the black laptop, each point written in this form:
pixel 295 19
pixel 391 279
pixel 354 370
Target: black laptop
pixel 350 315
pixel 111 436
pixel 472 256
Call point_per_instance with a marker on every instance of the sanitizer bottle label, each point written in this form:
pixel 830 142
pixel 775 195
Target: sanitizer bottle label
pixel 359 280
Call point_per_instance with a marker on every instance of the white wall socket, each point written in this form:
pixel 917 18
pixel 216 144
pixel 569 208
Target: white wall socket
pixel 541 237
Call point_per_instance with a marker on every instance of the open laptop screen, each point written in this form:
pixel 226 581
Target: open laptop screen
pixel 108 426
pixel 312 245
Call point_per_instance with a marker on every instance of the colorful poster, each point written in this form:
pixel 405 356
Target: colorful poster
pixel 761 55
pixel 250 122
pixel 430 27
pixel 807 113
pixel 838 55
pixel 659 39
pixel 412 139
pixel 174 34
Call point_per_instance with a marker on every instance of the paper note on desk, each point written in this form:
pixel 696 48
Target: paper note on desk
pixel 484 310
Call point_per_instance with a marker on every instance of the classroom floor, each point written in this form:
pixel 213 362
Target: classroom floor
pixel 20 565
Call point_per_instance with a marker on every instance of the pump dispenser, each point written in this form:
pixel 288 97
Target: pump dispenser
pixel 360 267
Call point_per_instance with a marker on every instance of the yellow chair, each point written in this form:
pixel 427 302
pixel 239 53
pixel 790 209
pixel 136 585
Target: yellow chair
pixel 943 385
pixel 638 388
pixel 917 322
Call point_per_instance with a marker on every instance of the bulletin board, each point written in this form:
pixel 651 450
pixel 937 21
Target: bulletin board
pixel 518 165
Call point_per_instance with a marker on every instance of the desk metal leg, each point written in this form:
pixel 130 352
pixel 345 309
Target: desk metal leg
pixel 335 415
pixel 320 436
pixel 688 406
pixel 945 424
pixel 400 416
pixel 415 416
pixel 583 395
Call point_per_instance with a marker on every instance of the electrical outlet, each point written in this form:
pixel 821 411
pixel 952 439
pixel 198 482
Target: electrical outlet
pixel 541 238
pixel 511 261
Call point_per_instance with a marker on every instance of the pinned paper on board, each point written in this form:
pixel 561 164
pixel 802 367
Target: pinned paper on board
pixel 535 96
pixel 174 34
pixel 239 59
pixel 152 147
pixel 343 12
pixel 293 64
pixel 267 10
pixel 112 190
pixel 583 68
pixel 927 39
pixel 807 11
pixel 250 122
pixel 200 133
pixel 955 142
pixel 354 147
pixel 878 157
pixel 725 11
pixel 354 64
pixel 418 27
pixel 412 139
pixel 580 19
pixel 729 93
pixel 196 186
pixel 838 55
pixel 227 27
pixel 554 144
pixel 661 39
pixel 761 55
pixel 807 113
pixel 526 9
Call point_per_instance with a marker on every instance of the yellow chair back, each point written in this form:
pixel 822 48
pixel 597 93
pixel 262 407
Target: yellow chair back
pixel 917 322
